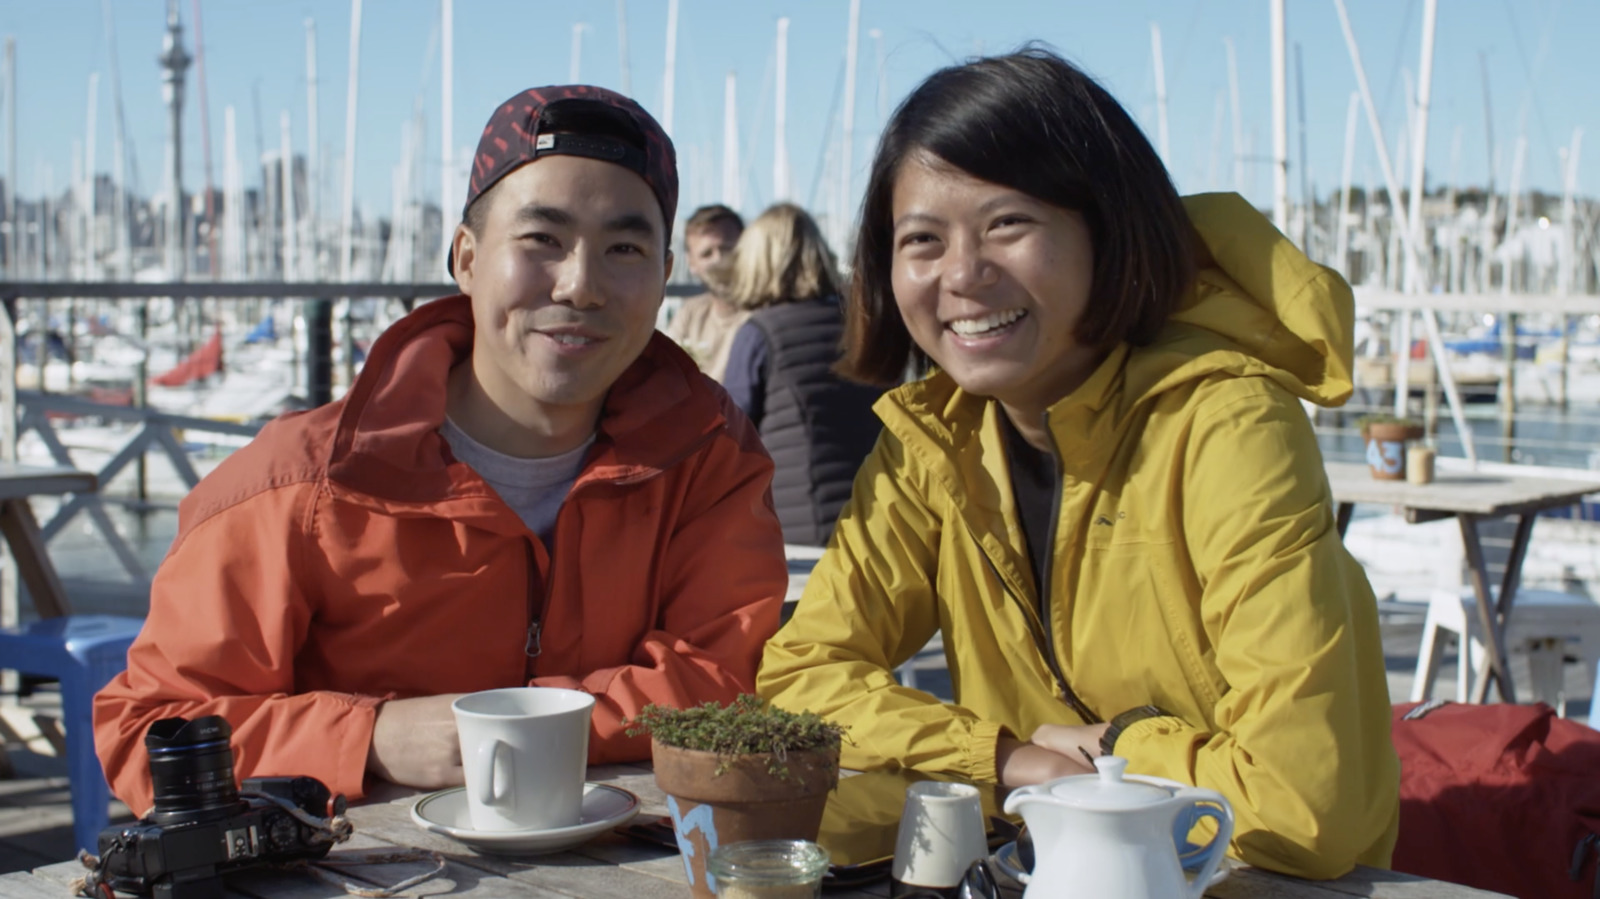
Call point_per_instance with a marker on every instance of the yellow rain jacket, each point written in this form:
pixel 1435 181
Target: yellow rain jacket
pixel 1196 567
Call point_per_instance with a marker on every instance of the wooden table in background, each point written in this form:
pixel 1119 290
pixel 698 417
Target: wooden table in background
pixel 1467 496
pixel 21 529
pixel 616 867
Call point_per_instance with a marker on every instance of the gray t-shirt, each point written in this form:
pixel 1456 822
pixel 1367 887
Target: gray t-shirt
pixel 533 488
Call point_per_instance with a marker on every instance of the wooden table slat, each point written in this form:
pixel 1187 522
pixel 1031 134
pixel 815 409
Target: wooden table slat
pixel 23 885
pixel 29 480
pixel 1455 491
pixel 1370 882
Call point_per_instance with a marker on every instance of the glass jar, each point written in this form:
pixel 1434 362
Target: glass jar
pixel 768 869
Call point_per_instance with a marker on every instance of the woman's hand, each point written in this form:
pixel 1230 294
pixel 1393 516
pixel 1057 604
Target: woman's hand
pixel 414 743
pixel 1080 742
pixel 1056 750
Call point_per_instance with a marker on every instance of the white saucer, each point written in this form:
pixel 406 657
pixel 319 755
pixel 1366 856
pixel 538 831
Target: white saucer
pixel 1005 858
pixel 445 812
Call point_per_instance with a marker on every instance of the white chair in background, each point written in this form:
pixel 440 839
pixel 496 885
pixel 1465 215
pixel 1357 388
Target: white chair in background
pixel 1545 625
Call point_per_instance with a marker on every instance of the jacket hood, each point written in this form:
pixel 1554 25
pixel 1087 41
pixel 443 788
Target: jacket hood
pixel 387 443
pixel 1259 307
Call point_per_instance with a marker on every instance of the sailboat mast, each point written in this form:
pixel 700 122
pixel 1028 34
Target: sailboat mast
pixel 352 97
pixel 175 60
pixel 1569 217
pixel 1307 199
pixel 669 77
pixel 730 141
pixel 205 143
pixel 447 121
pixel 11 159
pixel 575 71
pixel 232 199
pixel 291 255
pixel 622 46
pixel 1161 90
pixel 1238 123
pixel 1341 250
pixel 90 140
pixel 851 44
pixel 780 133
pixel 1280 121
pixel 1419 149
pixel 311 263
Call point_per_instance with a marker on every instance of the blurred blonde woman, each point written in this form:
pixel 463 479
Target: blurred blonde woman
pixel 817 426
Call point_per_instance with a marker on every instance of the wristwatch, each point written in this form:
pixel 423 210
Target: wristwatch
pixel 1108 740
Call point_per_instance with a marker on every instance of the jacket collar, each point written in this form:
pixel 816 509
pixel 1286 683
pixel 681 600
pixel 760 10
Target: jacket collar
pixel 957 438
pixel 387 444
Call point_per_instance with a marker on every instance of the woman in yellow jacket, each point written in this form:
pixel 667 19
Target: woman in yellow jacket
pixel 1106 495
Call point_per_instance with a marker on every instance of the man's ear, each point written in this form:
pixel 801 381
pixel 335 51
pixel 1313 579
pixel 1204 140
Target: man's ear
pixel 666 275
pixel 464 252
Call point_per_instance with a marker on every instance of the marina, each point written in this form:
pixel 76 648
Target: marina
pixel 146 336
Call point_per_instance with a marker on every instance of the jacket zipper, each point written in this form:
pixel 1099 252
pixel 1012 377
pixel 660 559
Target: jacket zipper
pixel 1050 560
pixel 532 647
pixel 1041 642
pixel 1083 710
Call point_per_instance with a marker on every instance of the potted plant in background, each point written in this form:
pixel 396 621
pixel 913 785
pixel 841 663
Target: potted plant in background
pixel 744 771
pixel 1386 437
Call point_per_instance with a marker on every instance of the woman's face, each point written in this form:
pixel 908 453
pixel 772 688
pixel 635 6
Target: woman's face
pixel 991 283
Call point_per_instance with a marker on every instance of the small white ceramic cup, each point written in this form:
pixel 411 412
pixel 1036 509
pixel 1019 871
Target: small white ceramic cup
pixel 525 752
pixel 941 834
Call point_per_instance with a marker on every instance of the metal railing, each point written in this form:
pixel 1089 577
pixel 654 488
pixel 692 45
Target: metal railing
pixel 157 431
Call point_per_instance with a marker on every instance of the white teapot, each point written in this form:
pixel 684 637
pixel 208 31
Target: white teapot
pixel 1113 835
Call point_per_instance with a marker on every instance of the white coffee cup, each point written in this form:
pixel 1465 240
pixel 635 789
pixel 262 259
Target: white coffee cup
pixel 524 751
pixel 941 834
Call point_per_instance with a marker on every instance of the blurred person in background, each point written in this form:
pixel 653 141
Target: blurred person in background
pixel 817 425
pixel 705 324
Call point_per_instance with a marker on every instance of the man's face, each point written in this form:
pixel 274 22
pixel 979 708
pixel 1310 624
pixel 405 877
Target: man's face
pixel 709 245
pixel 565 280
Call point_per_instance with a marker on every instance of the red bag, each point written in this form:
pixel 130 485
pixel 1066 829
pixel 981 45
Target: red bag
pixel 1499 797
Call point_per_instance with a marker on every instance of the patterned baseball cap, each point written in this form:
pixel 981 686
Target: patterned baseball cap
pixel 575 120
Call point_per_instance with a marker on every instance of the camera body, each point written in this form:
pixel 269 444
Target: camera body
pixel 203 826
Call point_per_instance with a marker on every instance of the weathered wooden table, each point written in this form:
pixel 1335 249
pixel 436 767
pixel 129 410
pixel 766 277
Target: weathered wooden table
pixel 21 529
pixel 617 867
pixel 1469 497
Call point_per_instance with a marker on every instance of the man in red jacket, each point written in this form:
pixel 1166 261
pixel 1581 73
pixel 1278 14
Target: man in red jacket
pixel 525 485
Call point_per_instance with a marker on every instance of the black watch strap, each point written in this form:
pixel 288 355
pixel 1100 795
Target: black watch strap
pixel 1108 740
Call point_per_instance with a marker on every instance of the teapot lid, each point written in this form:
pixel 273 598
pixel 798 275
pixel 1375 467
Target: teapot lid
pixel 1108 789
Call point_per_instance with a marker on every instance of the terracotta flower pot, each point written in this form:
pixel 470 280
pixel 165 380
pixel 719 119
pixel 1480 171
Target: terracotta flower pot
pixel 744 802
pixel 1386 447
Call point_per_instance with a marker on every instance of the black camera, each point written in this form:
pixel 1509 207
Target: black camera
pixel 203 826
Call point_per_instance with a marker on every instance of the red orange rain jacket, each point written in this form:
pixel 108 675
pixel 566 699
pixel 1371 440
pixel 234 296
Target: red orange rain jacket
pixel 344 557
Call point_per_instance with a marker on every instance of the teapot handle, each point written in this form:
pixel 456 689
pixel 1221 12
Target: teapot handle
pixel 1014 799
pixel 1203 804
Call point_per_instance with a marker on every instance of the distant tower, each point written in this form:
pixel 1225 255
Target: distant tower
pixel 174 60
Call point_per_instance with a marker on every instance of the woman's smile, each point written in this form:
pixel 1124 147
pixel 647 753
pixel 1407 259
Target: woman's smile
pixel 994 324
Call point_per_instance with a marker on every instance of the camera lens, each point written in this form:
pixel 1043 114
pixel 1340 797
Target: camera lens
pixel 191 766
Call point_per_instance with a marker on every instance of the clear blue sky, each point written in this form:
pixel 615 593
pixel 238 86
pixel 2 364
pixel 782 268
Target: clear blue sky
pixel 1542 60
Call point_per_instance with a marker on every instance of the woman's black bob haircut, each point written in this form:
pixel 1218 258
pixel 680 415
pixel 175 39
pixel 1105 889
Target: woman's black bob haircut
pixel 1033 122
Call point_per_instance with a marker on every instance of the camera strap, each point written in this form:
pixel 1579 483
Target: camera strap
pixel 335 829
pixel 321 870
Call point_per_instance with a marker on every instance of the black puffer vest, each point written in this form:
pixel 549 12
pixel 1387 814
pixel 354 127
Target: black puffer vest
pixel 817 426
